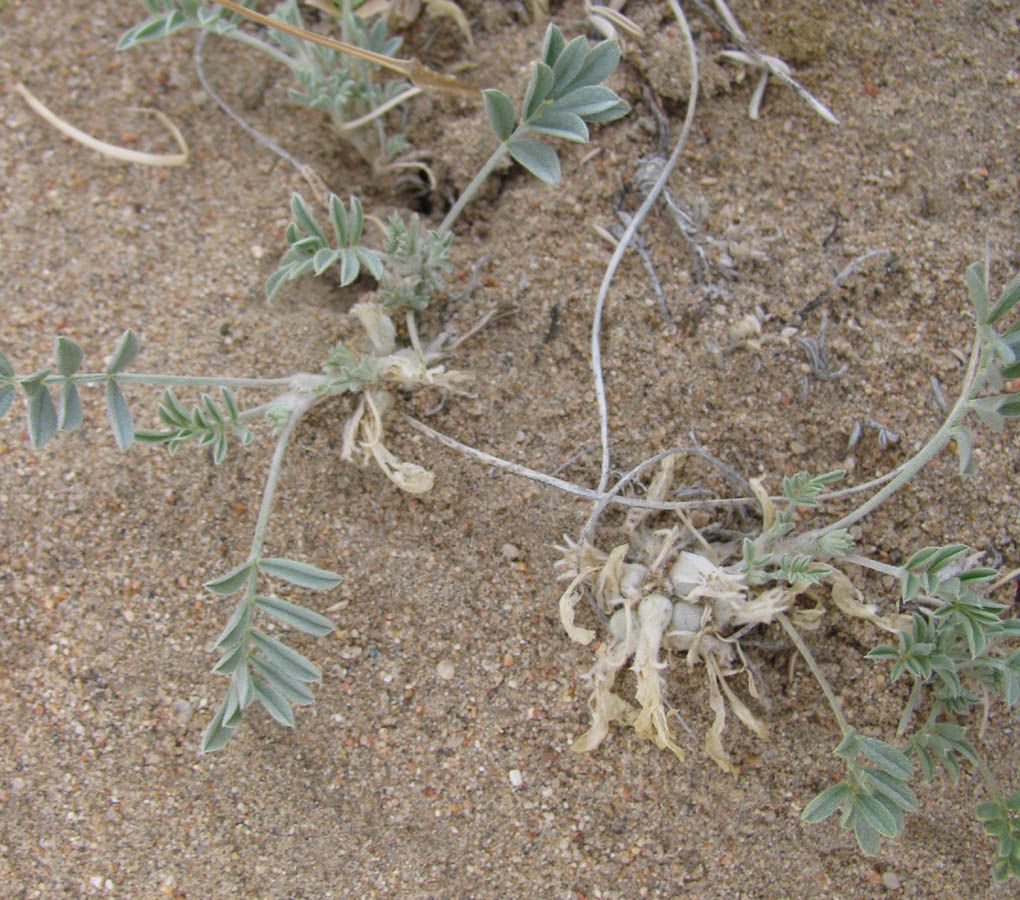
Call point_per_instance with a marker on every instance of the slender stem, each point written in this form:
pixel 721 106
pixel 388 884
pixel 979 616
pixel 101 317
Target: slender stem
pixel 569 487
pixel 803 650
pixel 237 35
pixel 469 192
pixel 379 110
pixel 626 238
pixel 273 476
pixel 908 710
pixel 973 381
pixel 191 380
pixel 866 563
pixel 412 333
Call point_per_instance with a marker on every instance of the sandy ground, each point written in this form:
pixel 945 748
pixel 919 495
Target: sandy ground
pixel 396 784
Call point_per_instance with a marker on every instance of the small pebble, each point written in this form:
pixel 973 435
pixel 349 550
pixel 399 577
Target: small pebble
pixel 445 669
pixel 509 551
pixel 891 881
pixel 516 778
pixel 351 651
pixel 183 711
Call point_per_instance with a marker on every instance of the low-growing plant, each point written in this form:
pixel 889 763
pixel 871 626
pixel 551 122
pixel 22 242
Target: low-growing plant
pixel 671 593
pixel 351 90
pixel 662 594
pixel 563 94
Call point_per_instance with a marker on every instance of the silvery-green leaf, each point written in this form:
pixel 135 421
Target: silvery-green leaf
pixel 6 396
pixel 987 410
pixel 119 415
pixel 586 101
pixel 597 66
pixel 350 267
pixel 895 789
pixel 338 217
pixel 500 111
pixel 1006 351
pixel 569 63
pixel 552 45
pixel 291 688
pixel 285 658
pixel 230 660
pixel 356 221
pixel 242 686
pixel 219 448
pixel 323 259
pixel 303 619
pixel 229 402
pixel 559 123
pixel 216 734
pixel 876 814
pixel 299 573
pixel 69 356
pixel 211 408
pixel 6 369
pixel 42 417
pixel 961 436
pixel 538 89
pixel 371 261
pixel 867 836
pixel 849 746
pixel 68 407
pixel 537 157
pixel 277 280
pixel 304 217
pixel 886 757
pixel 234 580
pixel 124 353
pixel 1009 298
pixel 993 379
pixel 34 383
pixel 975 279
pixel 274 702
pixel 617 111
pixel 236 629
pixel 826 803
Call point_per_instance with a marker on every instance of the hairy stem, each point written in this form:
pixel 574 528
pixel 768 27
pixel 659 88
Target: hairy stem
pixel 189 380
pixel 476 183
pixel 972 383
pixel 908 710
pixel 823 683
